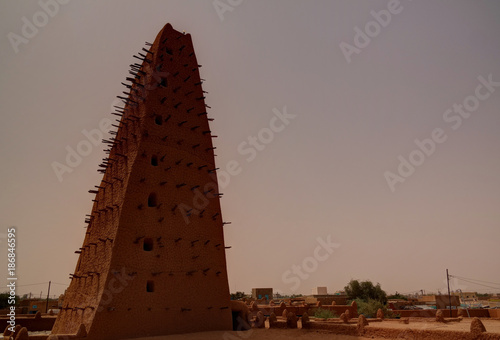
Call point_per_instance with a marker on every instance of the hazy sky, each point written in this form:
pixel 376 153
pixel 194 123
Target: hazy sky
pixel 353 95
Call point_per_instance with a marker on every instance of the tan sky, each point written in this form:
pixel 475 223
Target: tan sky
pixel 318 102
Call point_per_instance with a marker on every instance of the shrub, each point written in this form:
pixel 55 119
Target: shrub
pixel 237 295
pixel 322 313
pixel 4 300
pixel 365 290
pixel 397 296
pixel 370 307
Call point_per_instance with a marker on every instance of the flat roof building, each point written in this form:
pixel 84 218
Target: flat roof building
pixel 260 293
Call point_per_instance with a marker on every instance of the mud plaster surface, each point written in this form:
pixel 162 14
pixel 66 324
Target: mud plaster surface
pixel 492 326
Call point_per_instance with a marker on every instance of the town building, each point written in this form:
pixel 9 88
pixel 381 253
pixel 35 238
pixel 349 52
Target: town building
pixel 261 293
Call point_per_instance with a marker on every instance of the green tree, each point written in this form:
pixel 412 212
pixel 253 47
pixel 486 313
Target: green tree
pixel 397 296
pixel 238 295
pixel 4 300
pixel 365 290
pixel 370 307
pixel 321 313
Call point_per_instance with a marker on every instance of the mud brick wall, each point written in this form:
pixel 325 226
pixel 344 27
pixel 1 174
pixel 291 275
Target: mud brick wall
pixel 300 310
pixel 153 258
pixel 494 313
pixel 431 313
pixel 33 325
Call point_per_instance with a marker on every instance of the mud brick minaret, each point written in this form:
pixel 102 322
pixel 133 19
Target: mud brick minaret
pixel 153 259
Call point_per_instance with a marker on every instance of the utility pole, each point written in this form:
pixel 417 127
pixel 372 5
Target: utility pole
pixel 449 296
pixel 48 295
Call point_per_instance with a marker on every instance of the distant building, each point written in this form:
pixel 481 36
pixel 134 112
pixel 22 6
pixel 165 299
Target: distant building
pixel 443 301
pixel 320 294
pixel 31 306
pixel 259 293
pixel 427 300
pixel 467 297
pixel 319 291
pixel 440 301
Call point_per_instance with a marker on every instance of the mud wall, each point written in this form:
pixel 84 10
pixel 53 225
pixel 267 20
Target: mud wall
pixel 300 310
pixel 431 313
pixel 153 258
pixel 40 324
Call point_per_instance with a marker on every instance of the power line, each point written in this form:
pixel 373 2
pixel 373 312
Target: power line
pixel 475 283
pixel 466 278
pixel 31 284
pixel 37 284
pixel 412 292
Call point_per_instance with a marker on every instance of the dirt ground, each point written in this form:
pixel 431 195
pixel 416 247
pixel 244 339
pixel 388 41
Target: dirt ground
pixel 492 326
pixel 271 334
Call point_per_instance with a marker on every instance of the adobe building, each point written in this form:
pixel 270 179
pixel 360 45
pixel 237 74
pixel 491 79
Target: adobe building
pixel 260 293
pixel 440 301
pixel 32 306
pixel 443 301
pixel 467 298
pixel 320 294
pixel 153 258
pixel 320 291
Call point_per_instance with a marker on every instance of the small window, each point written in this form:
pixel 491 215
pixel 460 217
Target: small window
pixel 158 120
pixel 150 286
pixel 148 244
pixel 154 160
pixel 152 200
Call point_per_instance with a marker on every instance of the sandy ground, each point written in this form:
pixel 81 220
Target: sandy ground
pixel 271 334
pixel 492 326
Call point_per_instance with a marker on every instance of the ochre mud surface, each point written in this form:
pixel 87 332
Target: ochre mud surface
pixel 153 259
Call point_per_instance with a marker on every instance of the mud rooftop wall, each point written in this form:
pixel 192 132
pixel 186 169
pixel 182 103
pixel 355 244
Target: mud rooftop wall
pixel 33 324
pixel 301 310
pixel 431 313
pixel 153 259
pixel 494 313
